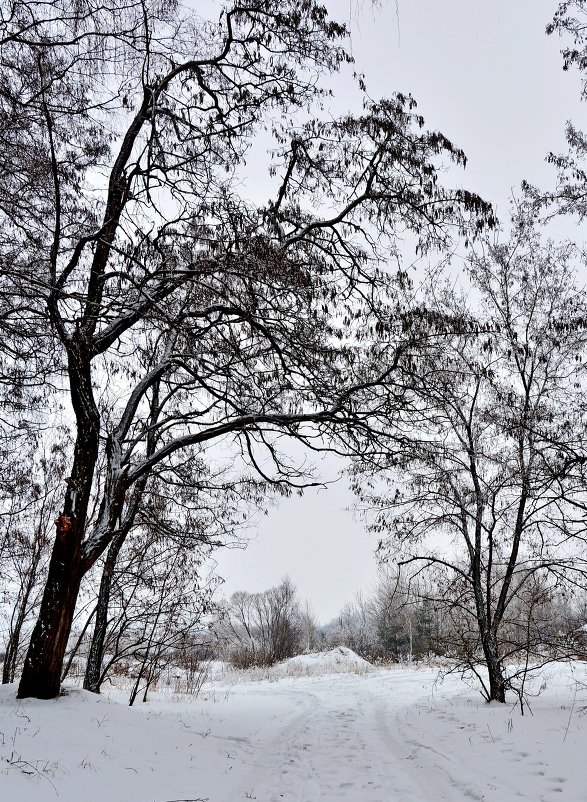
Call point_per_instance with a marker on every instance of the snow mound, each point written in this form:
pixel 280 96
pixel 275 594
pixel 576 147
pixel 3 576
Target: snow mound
pixel 340 659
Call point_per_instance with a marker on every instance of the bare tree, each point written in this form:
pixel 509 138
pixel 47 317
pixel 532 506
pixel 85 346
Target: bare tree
pixel 160 599
pixel 195 511
pixel 169 311
pixel 262 628
pixel 493 455
pixel 354 627
pixel 308 627
pixel 29 506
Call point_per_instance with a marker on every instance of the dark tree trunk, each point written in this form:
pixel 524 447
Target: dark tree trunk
pixel 41 676
pixel 92 679
pixel 497 683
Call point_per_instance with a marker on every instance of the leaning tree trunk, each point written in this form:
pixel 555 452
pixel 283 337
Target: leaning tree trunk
pixel 92 679
pixel 41 676
pixel 44 661
pixel 93 676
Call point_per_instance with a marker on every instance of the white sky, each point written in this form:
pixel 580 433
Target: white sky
pixel 487 76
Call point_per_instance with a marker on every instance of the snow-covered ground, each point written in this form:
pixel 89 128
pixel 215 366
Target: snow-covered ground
pixel 376 735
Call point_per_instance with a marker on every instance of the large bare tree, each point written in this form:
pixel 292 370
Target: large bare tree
pixel 167 310
pixel 486 491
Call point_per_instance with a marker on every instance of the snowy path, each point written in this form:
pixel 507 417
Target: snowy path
pixel 386 736
pixel 348 743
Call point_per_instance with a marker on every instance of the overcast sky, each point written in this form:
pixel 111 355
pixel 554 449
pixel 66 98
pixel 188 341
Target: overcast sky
pixel 487 76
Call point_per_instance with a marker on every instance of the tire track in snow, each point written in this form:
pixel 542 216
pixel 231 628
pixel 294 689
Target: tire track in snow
pixel 437 775
pixel 336 749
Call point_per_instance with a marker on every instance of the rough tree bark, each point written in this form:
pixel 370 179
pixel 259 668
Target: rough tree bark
pixel 41 676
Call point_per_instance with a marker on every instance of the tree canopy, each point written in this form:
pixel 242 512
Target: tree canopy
pixel 159 307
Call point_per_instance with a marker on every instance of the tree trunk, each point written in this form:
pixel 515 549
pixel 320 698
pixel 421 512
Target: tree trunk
pixel 41 676
pixel 9 668
pixel 92 679
pixel 497 684
pixel 137 686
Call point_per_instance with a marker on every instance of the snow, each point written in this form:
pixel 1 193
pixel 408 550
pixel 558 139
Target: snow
pixel 333 661
pixel 383 735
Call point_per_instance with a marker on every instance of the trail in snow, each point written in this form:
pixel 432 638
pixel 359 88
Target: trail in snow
pixel 385 736
pixel 345 745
